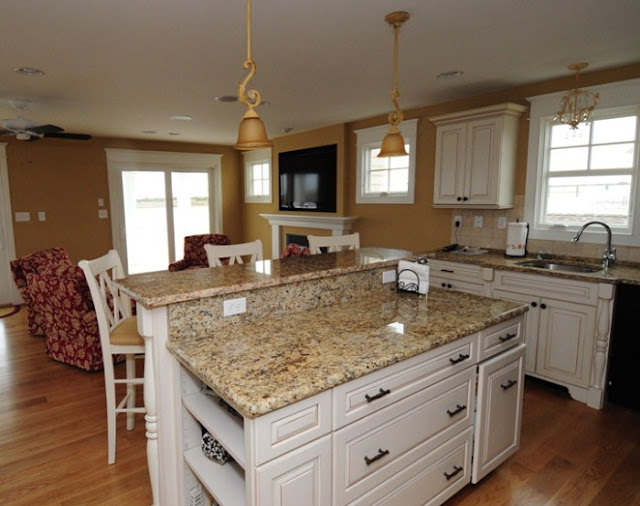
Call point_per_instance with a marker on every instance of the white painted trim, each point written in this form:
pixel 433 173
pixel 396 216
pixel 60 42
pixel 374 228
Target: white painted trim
pixel 119 160
pixel 7 239
pixel 339 225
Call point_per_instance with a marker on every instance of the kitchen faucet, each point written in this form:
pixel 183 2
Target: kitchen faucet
pixel 609 254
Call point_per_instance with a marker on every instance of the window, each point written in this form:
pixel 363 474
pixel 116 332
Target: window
pixel 592 173
pixel 385 180
pixel 257 175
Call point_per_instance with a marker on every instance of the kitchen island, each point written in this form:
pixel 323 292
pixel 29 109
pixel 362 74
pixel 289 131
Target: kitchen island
pixel 324 349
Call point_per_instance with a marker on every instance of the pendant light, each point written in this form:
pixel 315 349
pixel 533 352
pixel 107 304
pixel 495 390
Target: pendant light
pixel 577 105
pixel 252 133
pixel 393 143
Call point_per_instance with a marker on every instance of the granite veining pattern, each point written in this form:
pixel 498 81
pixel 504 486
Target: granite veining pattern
pixel 162 288
pixel 261 366
pixel 620 272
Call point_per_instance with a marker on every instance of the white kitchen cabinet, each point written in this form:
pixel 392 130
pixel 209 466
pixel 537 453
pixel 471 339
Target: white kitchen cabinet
pixel 476 157
pixel 498 412
pixel 466 278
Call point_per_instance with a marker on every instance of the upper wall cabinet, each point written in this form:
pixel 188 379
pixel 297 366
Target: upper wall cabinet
pixel 476 157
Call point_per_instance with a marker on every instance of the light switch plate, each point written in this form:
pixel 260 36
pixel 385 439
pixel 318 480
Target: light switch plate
pixel 103 214
pixel 502 222
pixel 477 221
pixel 42 216
pixel 23 216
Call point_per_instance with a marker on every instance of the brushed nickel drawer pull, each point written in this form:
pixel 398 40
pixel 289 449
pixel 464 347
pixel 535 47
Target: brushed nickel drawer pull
pixel 456 470
pixel 381 393
pixel 381 453
pixel 457 410
pixel 460 358
pixel 509 336
pixel 509 384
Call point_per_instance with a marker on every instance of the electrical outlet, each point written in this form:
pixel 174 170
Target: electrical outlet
pixel 477 221
pixel 42 216
pixel 23 216
pixel 502 222
pixel 457 221
pixel 235 306
pixel 388 276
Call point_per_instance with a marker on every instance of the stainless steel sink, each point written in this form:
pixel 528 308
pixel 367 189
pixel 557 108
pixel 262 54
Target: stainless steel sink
pixel 550 265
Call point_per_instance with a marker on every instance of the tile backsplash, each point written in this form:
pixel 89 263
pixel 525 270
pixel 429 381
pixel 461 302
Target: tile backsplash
pixel 490 236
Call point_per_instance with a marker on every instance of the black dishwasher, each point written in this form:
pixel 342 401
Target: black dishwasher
pixel 623 380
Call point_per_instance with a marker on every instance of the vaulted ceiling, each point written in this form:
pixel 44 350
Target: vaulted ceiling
pixel 120 68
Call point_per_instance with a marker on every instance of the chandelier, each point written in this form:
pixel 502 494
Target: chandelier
pixel 577 105
pixel 252 133
pixel 393 143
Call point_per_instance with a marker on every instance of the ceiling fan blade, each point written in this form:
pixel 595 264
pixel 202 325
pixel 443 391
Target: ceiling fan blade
pixel 45 129
pixel 65 135
pixel 6 132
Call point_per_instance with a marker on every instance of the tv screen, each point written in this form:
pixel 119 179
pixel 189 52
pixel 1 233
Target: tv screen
pixel 308 179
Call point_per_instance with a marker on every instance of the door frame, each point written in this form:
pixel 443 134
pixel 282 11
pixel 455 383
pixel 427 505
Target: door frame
pixel 7 239
pixel 119 160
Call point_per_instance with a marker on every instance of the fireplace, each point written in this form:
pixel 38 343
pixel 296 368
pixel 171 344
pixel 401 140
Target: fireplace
pixel 299 239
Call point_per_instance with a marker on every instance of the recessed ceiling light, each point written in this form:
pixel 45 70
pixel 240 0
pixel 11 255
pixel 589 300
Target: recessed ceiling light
pixel 29 71
pixel 226 98
pixel 174 133
pixel 450 74
pixel 286 130
pixel 149 131
pixel 181 117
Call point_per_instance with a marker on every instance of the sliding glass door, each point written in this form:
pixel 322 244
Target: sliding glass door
pixel 156 206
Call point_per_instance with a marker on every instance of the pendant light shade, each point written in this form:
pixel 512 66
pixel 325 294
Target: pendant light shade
pixel 577 105
pixel 252 133
pixel 393 142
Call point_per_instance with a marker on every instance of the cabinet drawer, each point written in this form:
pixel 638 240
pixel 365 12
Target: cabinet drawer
pixel 455 270
pixel 429 481
pixel 285 429
pixel 456 284
pixel 374 449
pixel 547 287
pixel 368 394
pixel 501 337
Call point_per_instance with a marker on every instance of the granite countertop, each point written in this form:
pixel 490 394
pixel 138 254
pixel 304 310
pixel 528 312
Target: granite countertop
pixel 620 272
pixel 161 288
pixel 260 368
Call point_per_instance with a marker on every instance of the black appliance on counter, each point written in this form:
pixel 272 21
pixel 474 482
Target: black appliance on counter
pixel 623 379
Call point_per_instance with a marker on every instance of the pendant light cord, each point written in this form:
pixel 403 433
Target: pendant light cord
pixel 250 98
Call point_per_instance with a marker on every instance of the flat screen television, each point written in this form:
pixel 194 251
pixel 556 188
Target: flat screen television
pixel 308 179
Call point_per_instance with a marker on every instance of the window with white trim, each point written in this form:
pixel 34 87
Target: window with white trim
pixel 588 174
pixel 385 180
pixel 257 175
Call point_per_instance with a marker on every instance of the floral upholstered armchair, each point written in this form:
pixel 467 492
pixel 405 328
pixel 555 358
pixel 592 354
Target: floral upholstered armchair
pixel 34 263
pixel 61 296
pixel 195 257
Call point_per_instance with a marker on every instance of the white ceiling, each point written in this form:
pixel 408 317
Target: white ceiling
pixel 117 67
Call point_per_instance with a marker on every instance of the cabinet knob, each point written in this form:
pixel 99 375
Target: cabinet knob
pixel 444 285
pixel 534 304
pixel 465 198
pixel 449 285
pixel 543 306
pixel 459 199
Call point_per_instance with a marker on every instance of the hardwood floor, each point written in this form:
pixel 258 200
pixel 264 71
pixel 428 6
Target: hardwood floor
pixel 53 442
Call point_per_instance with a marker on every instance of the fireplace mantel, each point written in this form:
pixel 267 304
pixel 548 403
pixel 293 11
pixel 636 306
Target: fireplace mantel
pixel 339 225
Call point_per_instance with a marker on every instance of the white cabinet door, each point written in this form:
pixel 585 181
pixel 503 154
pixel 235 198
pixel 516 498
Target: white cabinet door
pixel 499 411
pixel 566 337
pixel 302 476
pixel 531 324
pixel 482 161
pixel 450 163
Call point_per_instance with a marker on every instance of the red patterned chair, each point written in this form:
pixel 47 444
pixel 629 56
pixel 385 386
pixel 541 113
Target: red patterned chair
pixel 295 250
pixel 62 297
pixel 34 263
pixel 195 257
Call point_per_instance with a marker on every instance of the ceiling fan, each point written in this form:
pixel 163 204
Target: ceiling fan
pixel 27 130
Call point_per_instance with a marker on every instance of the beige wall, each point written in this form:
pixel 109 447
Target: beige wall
pixel 65 179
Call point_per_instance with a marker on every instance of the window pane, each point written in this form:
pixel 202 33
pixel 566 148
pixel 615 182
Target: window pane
pixel 568 159
pixel 398 162
pixel 614 130
pixel 612 156
pixel 563 136
pixel 378 182
pixel 190 206
pixel 399 180
pixel 574 200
